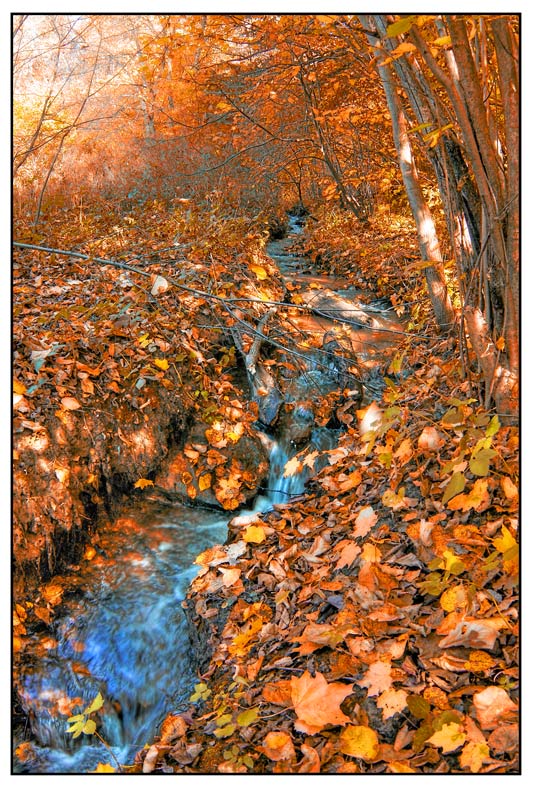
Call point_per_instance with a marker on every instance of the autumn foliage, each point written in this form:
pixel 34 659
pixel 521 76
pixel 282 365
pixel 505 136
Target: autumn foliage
pixel 371 625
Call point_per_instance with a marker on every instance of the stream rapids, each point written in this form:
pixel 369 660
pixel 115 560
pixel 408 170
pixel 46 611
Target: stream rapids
pixel 123 631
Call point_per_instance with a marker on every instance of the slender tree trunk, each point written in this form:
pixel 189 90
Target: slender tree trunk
pixel 425 226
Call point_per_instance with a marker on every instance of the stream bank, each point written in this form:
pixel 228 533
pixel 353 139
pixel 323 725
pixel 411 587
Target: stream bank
pixel 332 596
pixel 50 684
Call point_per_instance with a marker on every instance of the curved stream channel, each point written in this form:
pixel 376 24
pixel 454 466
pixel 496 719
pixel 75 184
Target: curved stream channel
pixel 123 630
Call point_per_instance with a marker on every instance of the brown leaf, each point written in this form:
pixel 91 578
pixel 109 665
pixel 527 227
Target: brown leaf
pixel 504 739
pixel 317 703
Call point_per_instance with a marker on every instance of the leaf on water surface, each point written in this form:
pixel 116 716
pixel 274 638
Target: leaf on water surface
pixel 97 703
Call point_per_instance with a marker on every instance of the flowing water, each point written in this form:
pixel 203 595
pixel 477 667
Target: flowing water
pixel 122 631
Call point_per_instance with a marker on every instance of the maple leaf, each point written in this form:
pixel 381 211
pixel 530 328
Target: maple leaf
pixel 474 755
pixel 317 703
pixel 142 483
pixel 359 741
pixel 377 678
pixel 321 635
pixel 477 499
pixel 364 522
pixel 450 737
pixel 392 702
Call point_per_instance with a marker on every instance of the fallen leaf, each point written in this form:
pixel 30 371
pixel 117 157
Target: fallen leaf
pixel 364 522
pixel 430 439
pixel 493 705
pixel 142 483
pixel 392 702
pixel 317 703
pixel 311 761
pixel 504 739
pixel 377 678
pixel 474 755
pixel 159 286
pixel 70 403
pixel 471 632
pixel 449 738
pixel 254 534
pixel 359 741
pixel 278 746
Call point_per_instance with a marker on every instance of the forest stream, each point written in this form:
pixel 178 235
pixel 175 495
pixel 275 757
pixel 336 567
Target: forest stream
pixel 122 631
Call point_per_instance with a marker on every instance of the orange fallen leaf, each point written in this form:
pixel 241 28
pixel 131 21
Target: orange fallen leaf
pixel 70 403
pixel 317 703
pixel 279 693
pixel 364 522
pixel 278 746
pixel 142 483
pixel 377 678
pixel 469 632
pixel 493 705
pixel 311 761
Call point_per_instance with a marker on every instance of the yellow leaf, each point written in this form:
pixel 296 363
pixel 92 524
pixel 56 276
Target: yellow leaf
pixel 474 755
pixel 500 344
pixel 205 481
pixel 504 542
pixel 142 483
pixel 454 599
pixel 254 534
pixel 70 403
pixel 450 737
pixel 359 741
pixel 161 363
pixel 103 768
pixel 260 272
pixel 18 387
